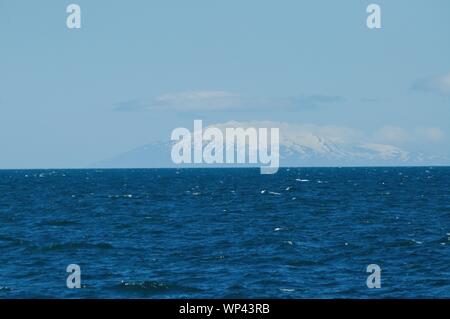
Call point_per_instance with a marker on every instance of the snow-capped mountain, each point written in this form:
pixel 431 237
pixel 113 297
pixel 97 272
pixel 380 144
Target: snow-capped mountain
pixel 300 145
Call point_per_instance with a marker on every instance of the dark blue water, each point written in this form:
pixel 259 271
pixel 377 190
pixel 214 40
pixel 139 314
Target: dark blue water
pixel 301 233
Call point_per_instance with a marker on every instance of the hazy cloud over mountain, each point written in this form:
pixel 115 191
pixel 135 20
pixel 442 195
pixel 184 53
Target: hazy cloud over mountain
pixel 210 101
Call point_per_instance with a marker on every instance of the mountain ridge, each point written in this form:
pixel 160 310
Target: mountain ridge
pixel 299 146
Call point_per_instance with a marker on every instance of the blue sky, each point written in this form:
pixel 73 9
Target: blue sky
pixel 138 69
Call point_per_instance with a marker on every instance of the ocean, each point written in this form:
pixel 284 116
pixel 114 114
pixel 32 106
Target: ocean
pixel 225 233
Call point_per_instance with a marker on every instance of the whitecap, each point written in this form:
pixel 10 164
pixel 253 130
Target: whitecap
pixel 287 289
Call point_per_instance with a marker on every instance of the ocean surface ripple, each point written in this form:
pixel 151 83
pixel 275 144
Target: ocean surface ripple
pixel 231 233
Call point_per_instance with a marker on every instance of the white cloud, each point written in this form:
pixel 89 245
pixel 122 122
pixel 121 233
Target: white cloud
pixel 436 84
pixel 193 101
pixel 198 100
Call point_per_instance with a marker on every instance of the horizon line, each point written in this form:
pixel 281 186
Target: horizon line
pixel 221 167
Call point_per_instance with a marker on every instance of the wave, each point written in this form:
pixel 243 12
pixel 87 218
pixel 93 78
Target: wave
pixel 78 245
pixel 62 222
pixel 152 287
